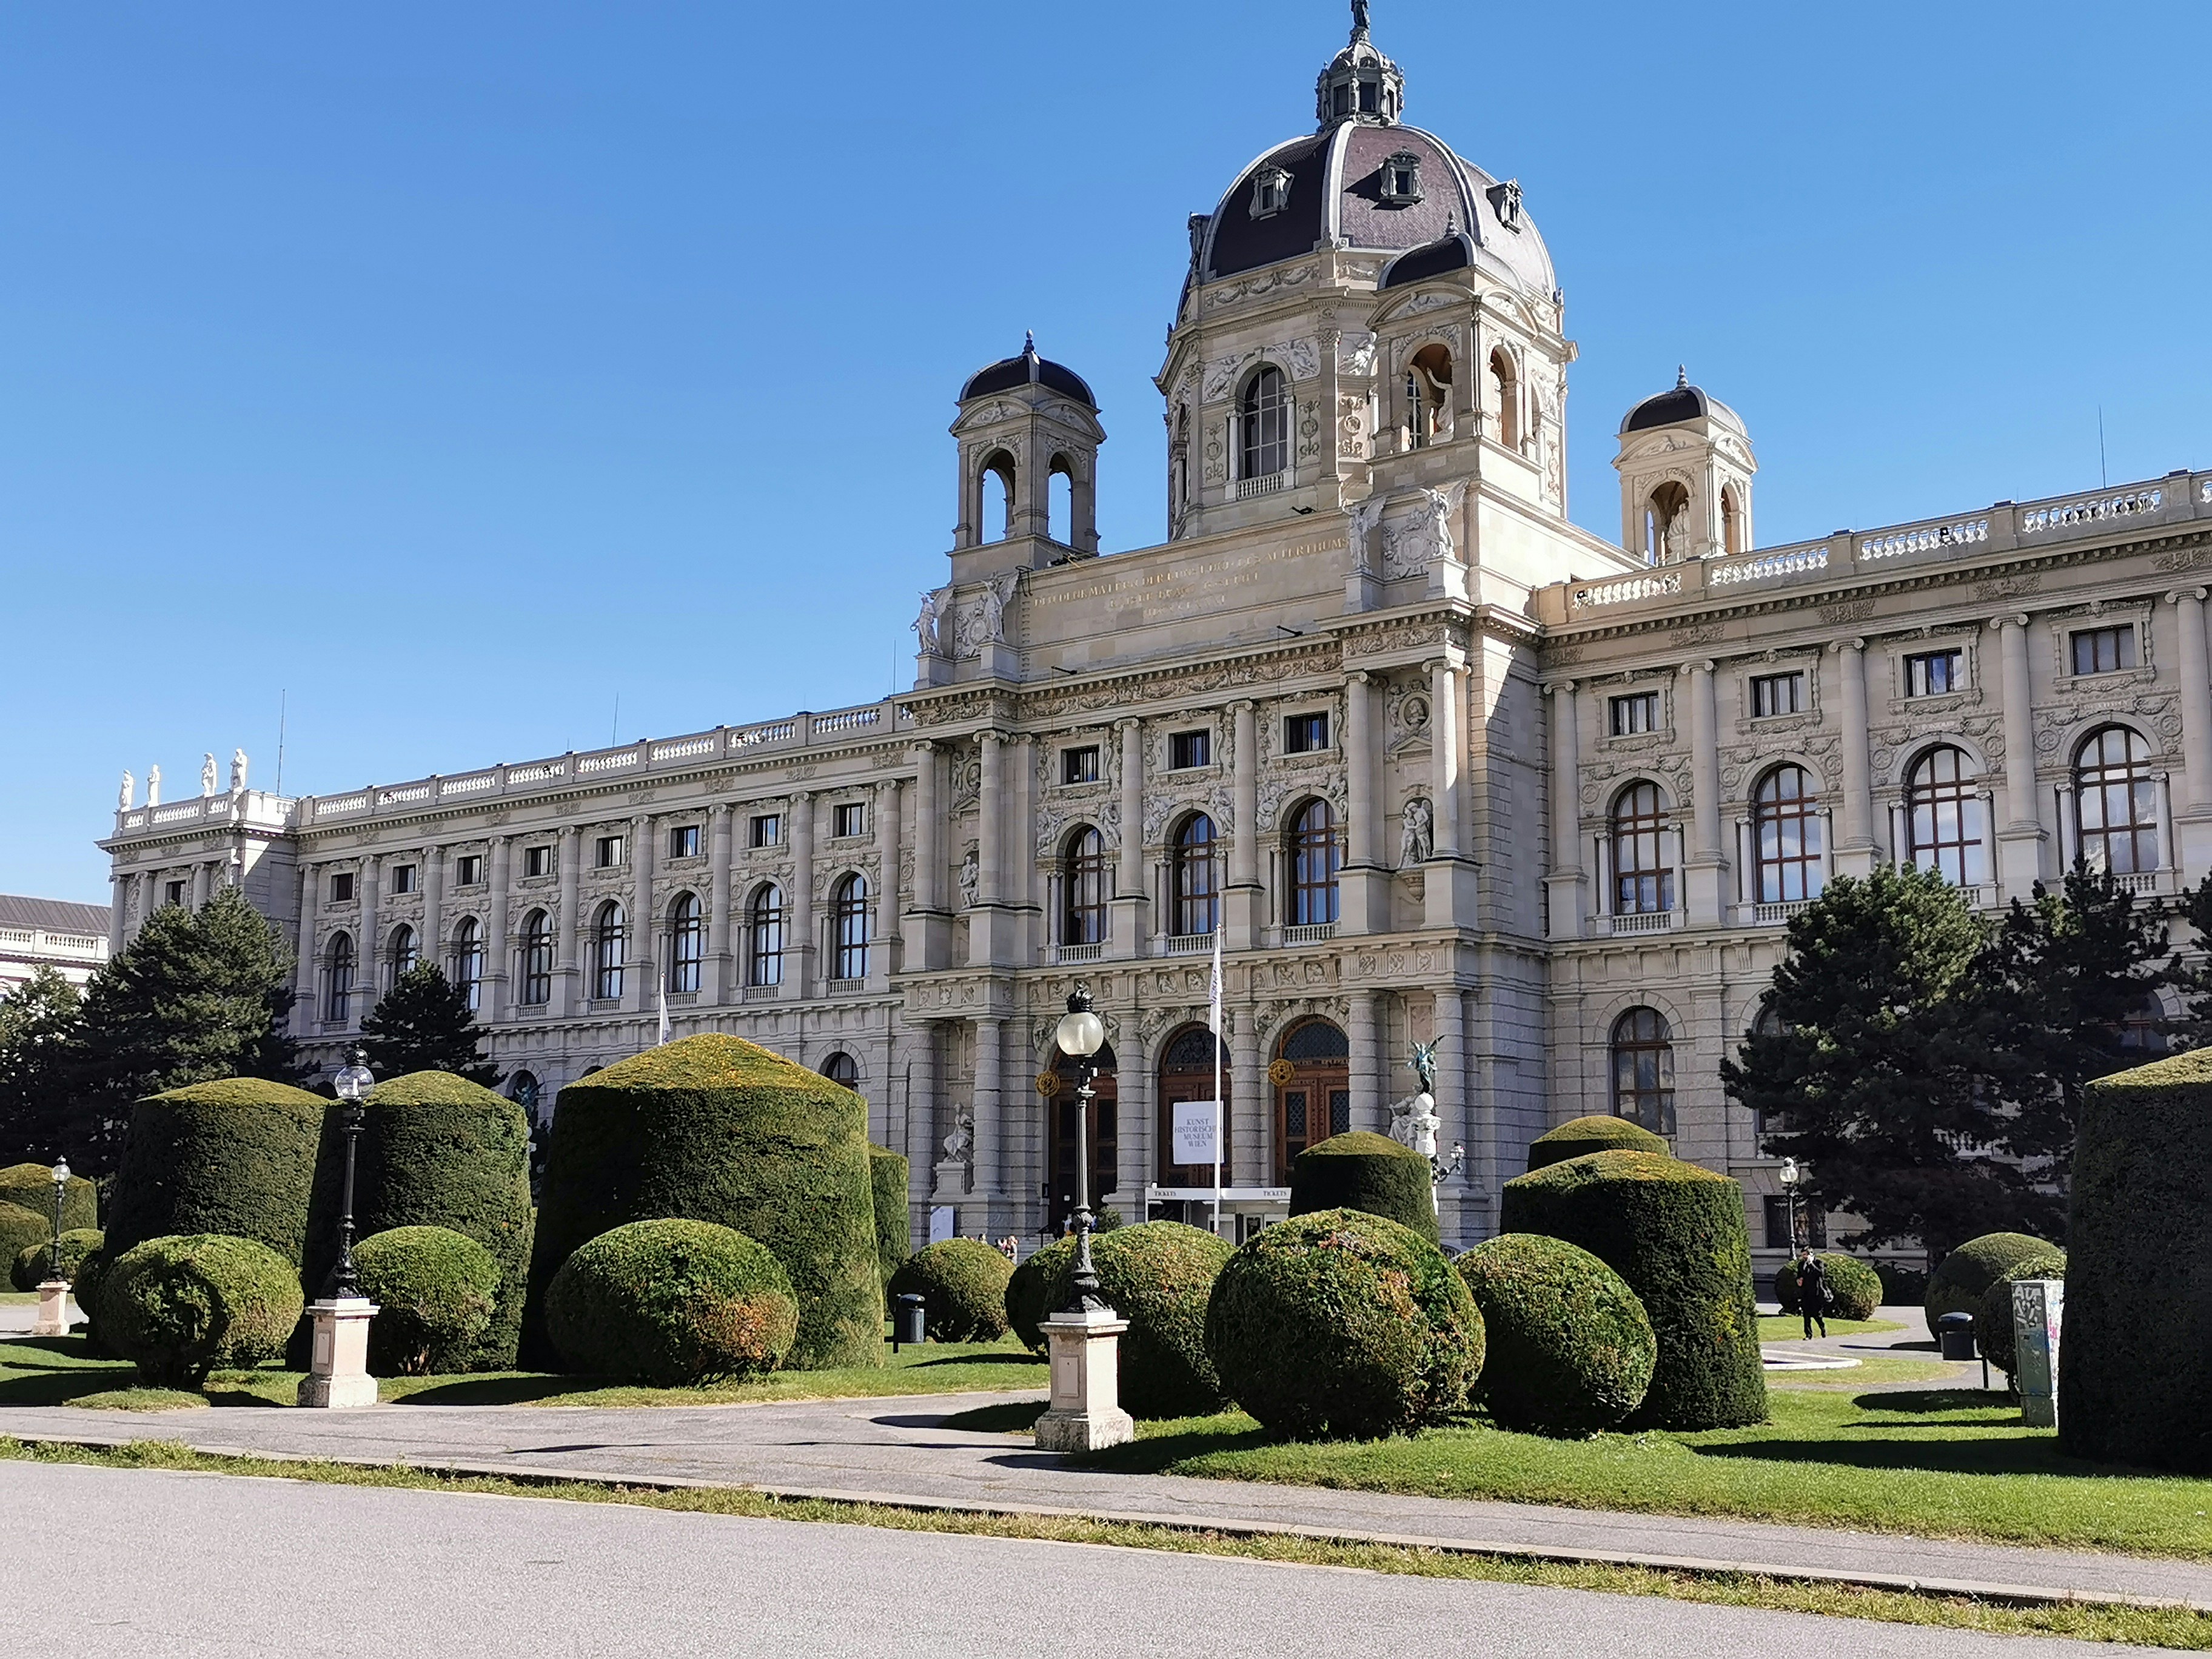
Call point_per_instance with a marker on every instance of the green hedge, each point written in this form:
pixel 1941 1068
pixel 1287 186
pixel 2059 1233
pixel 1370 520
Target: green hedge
pixel 1854 1287
pixel 436 1150
pixel 179 1308
pixel 1993 1326
pixel 1344 1325
pixel 887 1173
pixel 672 1302
pixel 1362 1170
pixel 1569 1351
pixel 436 1291
pixel 31 1187
pixel 85 1290
pixel 715 1129
pixel 2132 1383
pixel 33 1261
pixel 1675 1233
pixel 962 1283
pixel 1159 1276
pixel 21 1229
pixel 1600 1133
pixel 1971 1268
pixel 234 1156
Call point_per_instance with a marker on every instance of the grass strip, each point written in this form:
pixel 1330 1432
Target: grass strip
pixel 2143 1626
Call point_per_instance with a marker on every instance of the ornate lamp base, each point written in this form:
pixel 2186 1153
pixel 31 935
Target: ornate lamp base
pixel 53 1309
pixel 1085 1413
pixel 337 1377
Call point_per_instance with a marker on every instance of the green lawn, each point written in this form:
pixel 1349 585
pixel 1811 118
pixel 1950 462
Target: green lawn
pixel 1953 1464
pixel 56 1371
pixel 17 1299
pixel 1788 1328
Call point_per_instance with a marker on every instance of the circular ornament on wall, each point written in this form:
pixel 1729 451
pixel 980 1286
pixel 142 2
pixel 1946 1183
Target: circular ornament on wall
pixel 1281 1071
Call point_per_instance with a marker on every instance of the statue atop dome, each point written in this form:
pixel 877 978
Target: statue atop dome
pixel 1360 84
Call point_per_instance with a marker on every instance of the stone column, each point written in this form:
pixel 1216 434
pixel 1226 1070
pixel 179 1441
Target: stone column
pixel 118 906
pixel 798 936
pixel 989 1187
pixel 717 981
pixel 305 980
pixel 1134 1115
pixel 1455 1066
pixel 1705 867
pixel 929 936
pixel 1251 1157
pixel 368 976
pixel 1369 1087
pixel 433 905
pixel 498 963
pixel 2195 702
pixel 1244 900
pixel 921 1093
pixel 199 886
pixel 1128 914
pixel 1022 934
pixel 1363 884
pixel 1855 853
pixel 570 994
pixel 881 965
pixel 991 924
pixel 2019 842
pixel 1448 895
pixel 1568 895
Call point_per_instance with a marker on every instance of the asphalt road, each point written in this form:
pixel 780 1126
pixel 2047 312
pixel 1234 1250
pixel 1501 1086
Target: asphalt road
pixel 123 1563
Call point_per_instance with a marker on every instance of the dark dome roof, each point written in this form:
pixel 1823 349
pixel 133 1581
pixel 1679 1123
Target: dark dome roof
pixel 1453 252
pixel 1683 402
pixel 1028 370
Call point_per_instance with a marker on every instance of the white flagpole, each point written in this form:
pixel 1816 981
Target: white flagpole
pixel 1213 1021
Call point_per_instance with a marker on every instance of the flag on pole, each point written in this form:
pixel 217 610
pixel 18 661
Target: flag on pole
pixel 663 995
pixel 1213 1023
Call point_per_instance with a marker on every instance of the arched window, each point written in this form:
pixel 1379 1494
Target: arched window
pixel 1083 890
pixel 1731 521
pixel 686 937
pixel 1943 817
pixel 1314 863
pixel 2142 1033
pixel 523 1089
pixel 1643 879
pixel 469 961
pixel 404 951
pixel 338 1001
pixel 609 938
pixel 764 937
pixel 1428 395
pixel 1506 397
pixel 537 959
pixel 849 928
pixel 1667 524
pixel 994 509
pixel 841 1070
pixel 1059 521
pixel 1263 422
pixel 1190 1061
pixel 1788 827
pixel 1644 1070
pixel 1194 899
pixel 2116 801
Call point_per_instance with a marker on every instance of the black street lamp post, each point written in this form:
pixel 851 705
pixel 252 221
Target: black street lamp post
pixel 351 1084
pixel 54 1251
pixel 1080 1035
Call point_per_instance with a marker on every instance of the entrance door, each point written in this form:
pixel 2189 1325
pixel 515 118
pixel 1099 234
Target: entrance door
pixel 1187 1073
pixel 1312 1075
pixel 1060 1108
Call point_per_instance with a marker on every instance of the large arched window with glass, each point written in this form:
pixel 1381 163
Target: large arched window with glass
pixel 1943 817
pixel 1082 889
pixel 2116 801
pixel 468 958
pixel 764 937
pixel 687 933
pixel 610 948
pixel 849 928
pixel 842 1070
pixel 1643 876
pixel 1194 897
pixel 1263 420
pixel 537 987
pixel 403 953
pixel 337 980
pixel 1315 860
pixel 1786 827
pixel 1644 1070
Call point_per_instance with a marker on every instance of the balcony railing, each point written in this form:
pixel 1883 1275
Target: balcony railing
pixel 1067 953
pixel 1314 932
pixel 1189 944
pixel 1648 921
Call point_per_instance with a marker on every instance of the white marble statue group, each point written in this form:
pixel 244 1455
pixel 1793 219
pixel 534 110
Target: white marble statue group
pixel 124 795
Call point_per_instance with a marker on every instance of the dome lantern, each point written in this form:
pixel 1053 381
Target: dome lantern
pixel 1360 84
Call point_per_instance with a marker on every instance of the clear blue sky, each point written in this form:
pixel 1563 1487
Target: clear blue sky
pixel 455 370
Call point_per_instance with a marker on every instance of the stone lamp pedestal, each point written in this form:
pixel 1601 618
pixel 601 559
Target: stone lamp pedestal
pixel 53 1309
pixel 337 1377
pixel 1085 1413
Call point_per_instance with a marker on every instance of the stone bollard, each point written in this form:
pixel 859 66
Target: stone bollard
pixel 1085 1413
pixel 337 1377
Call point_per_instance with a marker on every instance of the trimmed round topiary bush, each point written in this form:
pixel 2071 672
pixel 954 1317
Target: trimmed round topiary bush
pixel 1971 1268
pixel 1362 1170
pixel 672 1302
pixel 1993 1325
pixel 1570 1351
pixel 85 1291
pixel 31 1187
pixel 234 1156
pixel 1675 1233
pixel 888 1174
pixel 435 1291
pixel 2132 1385
pixel 179 1308
pixel 436 1150
pixel 1599 1134
pixel 715 1129
pixel 1159 1276
pixel 1344 1325
pixel 34 1262
pixel 1853 1285
pixel 22 1229
pixel 962 1283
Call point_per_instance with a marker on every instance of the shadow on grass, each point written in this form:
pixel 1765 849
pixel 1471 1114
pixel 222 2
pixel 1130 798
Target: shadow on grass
pixel 1024 1358
pixel 63 1388
pixel 24 1354
pixel 1921 1402
pixel 519 1390
pixel 2040 1455
pixel 1150 1453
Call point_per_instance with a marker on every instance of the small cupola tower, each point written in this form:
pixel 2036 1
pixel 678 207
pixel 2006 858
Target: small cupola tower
pixel 1360 84
pixel 1686 469
pixel 1022 421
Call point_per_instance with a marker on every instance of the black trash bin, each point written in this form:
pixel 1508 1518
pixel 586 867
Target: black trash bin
pixel 1954 1335
pixel 907 1323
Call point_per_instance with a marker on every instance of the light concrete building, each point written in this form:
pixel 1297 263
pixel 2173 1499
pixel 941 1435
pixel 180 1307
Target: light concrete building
pixel 36 933
pixel 1442 766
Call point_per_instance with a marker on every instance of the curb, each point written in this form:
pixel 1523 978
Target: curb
pixel 1234 1526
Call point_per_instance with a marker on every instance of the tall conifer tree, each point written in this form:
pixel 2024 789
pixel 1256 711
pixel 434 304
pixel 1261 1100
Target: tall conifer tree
pixel 41 1024
pixel 424 1023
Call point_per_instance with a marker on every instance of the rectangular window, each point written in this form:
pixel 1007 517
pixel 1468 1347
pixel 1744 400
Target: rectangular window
pixel 1304 733
pixel 1079 765
pixel 848 819
pixel 175 891
pixel 342 887
pixel 1637 711
pixel 1810 1215
pixel 1776 694
pixel 768 830
pixel 2104 650
pixel 683 842
pixel 537 860
pixel 608 852
pixel 468 870
pixel 402 877
pixel 1932 673
pixel 1190 749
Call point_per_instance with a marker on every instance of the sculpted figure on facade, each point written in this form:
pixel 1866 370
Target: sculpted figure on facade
pixel 237 771
pixel 1364 516
pixel 971 879
pixel 934 601
pixel 153 786
pixel 996 593
pixel 1416 833
pixel 961 1140
pixel 206 774
pixel 123 795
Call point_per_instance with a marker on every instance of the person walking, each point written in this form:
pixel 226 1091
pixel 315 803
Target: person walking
pixel 1812 1294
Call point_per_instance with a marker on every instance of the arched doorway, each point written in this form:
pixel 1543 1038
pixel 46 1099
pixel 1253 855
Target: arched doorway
pixel 1187 1073
pixel 1060 1108
pixel 1312 1075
